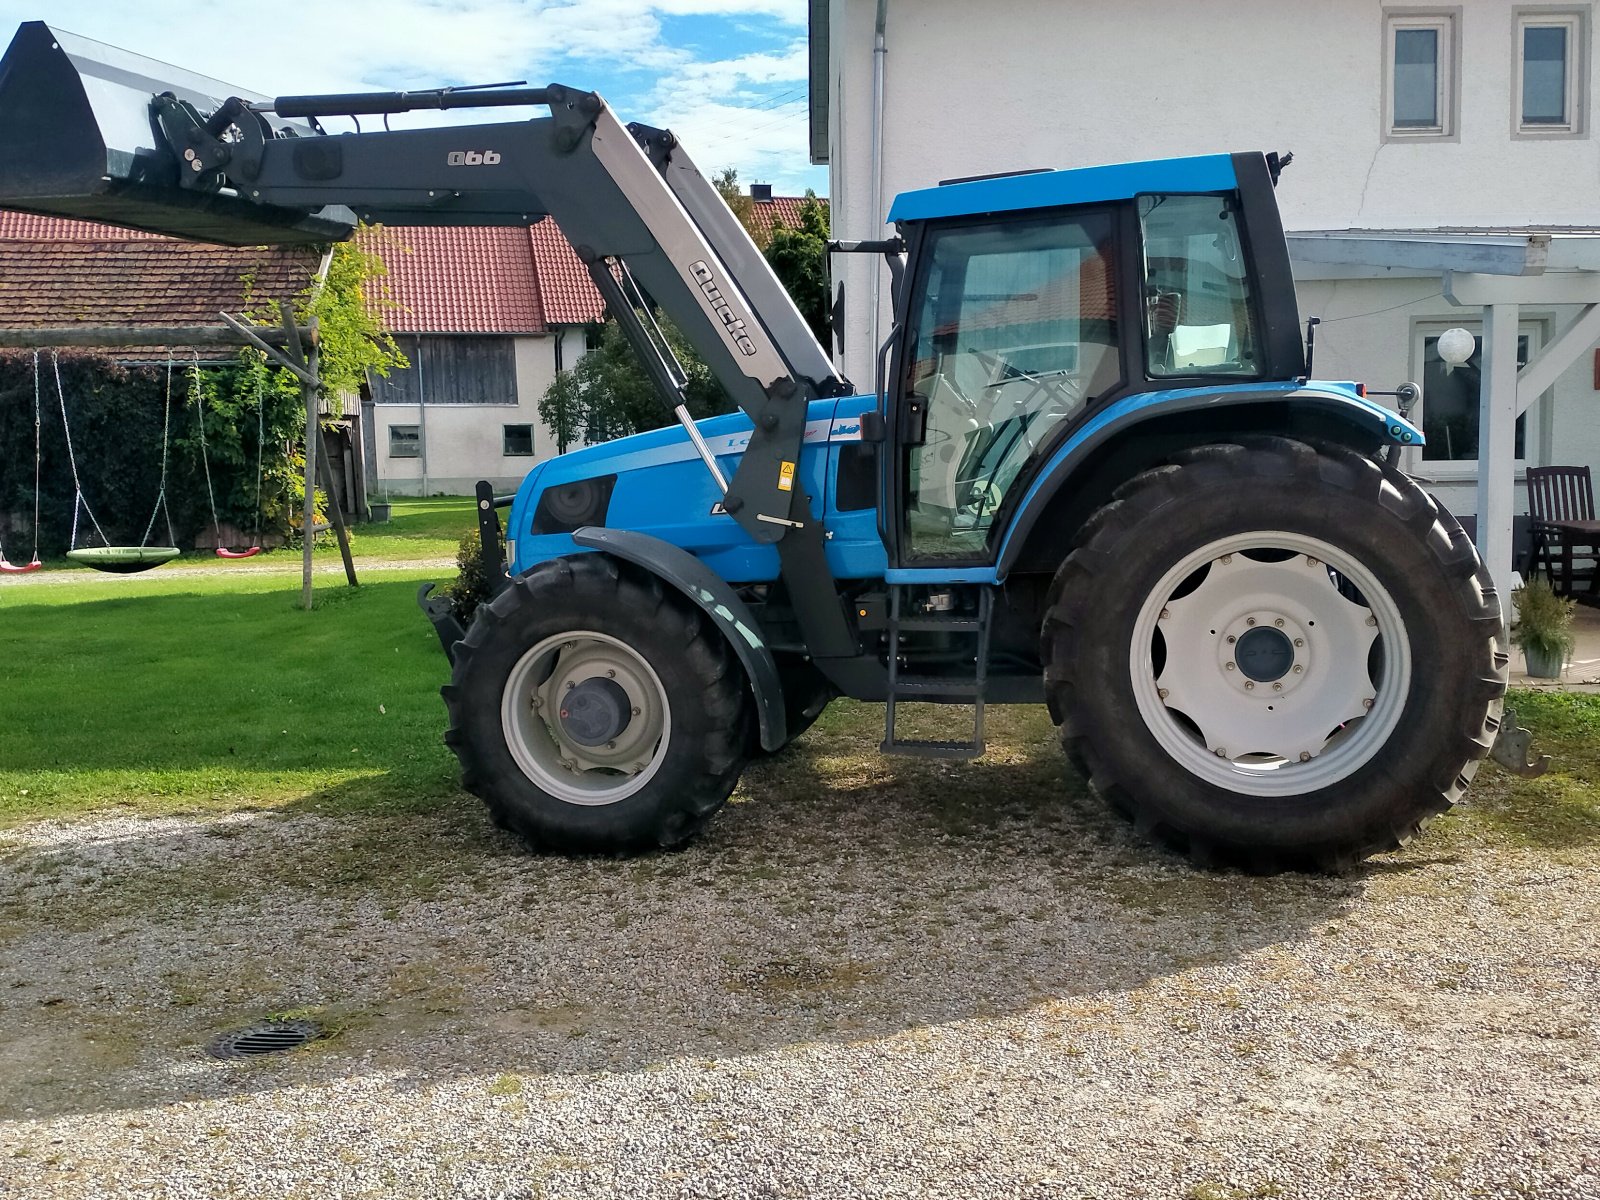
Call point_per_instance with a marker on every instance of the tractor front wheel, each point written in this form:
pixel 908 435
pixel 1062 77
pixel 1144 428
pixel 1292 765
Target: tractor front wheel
pixel 1275 656
pixel 596 711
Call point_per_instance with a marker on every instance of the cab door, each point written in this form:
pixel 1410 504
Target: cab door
pixel 1011 332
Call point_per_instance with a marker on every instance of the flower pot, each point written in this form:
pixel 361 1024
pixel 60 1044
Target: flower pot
pixel 380 513
pixel 1542 664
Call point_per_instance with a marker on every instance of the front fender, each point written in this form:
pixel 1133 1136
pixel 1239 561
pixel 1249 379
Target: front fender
pixel 676 566
pixel 1339 400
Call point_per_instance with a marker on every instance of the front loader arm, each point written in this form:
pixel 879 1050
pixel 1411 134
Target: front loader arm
pixel 622 197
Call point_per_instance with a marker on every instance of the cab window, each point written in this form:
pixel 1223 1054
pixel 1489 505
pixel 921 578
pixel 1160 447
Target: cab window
pixel 1197 302
pixel 1015 332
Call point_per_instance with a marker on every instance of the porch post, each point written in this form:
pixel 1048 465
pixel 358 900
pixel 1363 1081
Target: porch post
pixel 1497 445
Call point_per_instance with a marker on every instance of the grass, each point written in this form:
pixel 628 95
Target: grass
pixel 419 528
pixel 214 692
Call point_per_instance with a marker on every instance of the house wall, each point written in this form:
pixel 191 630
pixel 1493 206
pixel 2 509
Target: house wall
pixel 1060 83
pixel 464 443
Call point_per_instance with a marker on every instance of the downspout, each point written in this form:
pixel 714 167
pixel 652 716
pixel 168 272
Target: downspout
pixel 422 416
pixel 879 51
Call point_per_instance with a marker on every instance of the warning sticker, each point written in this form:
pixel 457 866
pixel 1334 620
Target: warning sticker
pixel 786 477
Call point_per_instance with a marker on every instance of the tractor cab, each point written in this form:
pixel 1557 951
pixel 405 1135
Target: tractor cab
pixel 1036 303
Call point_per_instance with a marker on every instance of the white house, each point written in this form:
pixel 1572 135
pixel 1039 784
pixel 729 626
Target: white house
pixel 1446 173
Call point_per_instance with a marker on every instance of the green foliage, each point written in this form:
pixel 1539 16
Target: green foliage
pixel 607 394
pixel 1544 620
pixel 351 336
pixel 115 414
pixel 799 257
pixel 472 585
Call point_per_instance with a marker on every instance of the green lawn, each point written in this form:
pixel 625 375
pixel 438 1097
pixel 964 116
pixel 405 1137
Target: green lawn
pixel 192 692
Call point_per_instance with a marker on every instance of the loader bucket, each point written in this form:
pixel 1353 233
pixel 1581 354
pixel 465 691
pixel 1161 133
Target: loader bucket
pixel 78 139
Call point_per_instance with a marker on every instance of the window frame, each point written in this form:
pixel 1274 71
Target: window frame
pixel 405 449
pixel 1446 23
pixel 505 440
pixel 1535 416
pixel 1576 21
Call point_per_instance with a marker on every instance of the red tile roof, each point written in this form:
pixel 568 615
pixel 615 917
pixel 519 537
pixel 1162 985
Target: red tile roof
pixel 28 227
pixel 570 297
pixel 460 279
pixel 56 273
pixel 767 213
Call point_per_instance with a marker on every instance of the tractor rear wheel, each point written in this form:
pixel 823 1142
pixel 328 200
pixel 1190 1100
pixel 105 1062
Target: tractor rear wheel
pixel 1275 656
pixel 596 711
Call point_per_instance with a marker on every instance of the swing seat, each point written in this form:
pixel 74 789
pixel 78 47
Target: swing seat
pixel 224 552
pixel 124 560
pixel 8 568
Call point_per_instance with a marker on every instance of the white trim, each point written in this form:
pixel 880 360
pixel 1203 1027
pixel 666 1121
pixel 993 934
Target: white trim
pixel 1574 23
pixel 1466 470
pixel 1446 25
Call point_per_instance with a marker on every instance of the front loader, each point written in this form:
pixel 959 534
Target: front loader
pixel 1093 472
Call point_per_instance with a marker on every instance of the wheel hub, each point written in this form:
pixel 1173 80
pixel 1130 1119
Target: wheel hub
pixel 595 712
pixel 1264 654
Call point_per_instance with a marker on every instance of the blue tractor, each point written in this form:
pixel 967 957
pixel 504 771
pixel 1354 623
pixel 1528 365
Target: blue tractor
pixel 1092 472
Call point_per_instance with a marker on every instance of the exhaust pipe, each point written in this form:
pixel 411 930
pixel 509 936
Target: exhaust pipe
pixel 87 131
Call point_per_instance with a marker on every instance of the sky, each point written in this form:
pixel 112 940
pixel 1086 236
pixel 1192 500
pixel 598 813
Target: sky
pixel 727 76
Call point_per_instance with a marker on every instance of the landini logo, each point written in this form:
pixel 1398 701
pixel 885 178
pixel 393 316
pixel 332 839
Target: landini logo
pixel 707 283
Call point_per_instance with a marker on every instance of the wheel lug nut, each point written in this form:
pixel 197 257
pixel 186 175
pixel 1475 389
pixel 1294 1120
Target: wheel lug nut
pixel 1372 620
pixel 1277 687
pixel 1226 558
pixel 570 685
pixel 1366 704
pixel 1221 753
pixel 1311 562
pixel 1305 756
pixel 1298 668
pixel 538 703
pixel 635 710
pixel 1165 613
pixel 1249 685
pixel 611 745
pixel 1299 641
pixel 1279 622
pixel 1249 620
pixel 1230 666
pixel 1232 639
pixel 1162 692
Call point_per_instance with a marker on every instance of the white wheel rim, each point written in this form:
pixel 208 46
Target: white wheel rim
pixel 1302 709
pixel 544 749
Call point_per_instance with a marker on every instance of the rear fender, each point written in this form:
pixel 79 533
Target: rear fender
pixel 1075 471
pixel 683 571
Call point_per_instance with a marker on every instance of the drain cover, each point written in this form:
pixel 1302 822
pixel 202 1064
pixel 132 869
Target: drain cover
pixel 270 1037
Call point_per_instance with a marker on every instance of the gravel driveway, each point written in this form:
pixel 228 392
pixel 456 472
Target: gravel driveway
pixel 865 982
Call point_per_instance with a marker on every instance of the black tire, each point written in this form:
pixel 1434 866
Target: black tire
pixel 1158 522
pixel 698 758
pixel 806 693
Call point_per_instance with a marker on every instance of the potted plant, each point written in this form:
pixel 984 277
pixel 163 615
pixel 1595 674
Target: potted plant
pixel 1543 628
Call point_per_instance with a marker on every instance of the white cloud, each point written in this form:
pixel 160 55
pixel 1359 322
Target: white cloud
pixel 747 110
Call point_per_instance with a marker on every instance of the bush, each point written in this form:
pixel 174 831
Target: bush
pixel 1544 620
pixel 473 584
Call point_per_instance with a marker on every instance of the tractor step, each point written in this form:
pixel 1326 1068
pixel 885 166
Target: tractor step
pixel 937 688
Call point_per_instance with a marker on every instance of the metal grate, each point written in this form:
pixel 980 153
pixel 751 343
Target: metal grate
pixel 269 1037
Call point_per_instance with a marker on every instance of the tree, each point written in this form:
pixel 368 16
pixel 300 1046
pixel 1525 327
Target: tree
pixel 739 202
pixel 608 395
pixel 799 257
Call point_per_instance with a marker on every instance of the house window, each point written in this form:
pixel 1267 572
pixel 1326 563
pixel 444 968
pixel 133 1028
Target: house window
pixel 1420 74
pixel 518 441
pixel 451 370
pixel 593 335
pixel 1450 396
pixel 405 441
pixel 1550 72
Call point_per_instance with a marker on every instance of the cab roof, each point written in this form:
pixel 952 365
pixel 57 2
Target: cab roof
pixel 1052 189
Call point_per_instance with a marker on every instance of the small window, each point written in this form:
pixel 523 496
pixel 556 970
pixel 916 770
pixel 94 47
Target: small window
pixel 518 441
pixel 1549 93
pixel 593 335
pixel 1199 312
pixel 1420 74
pixel 405 441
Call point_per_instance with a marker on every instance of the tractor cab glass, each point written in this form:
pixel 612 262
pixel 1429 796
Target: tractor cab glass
pixel 1197 301
pixel 1014 332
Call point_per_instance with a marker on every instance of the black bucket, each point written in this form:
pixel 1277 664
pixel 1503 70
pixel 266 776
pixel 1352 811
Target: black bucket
pixel 79 139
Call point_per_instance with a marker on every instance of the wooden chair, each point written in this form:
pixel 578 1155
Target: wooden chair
pixel 1561 503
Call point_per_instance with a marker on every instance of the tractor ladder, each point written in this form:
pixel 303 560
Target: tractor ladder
pixel 937 689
